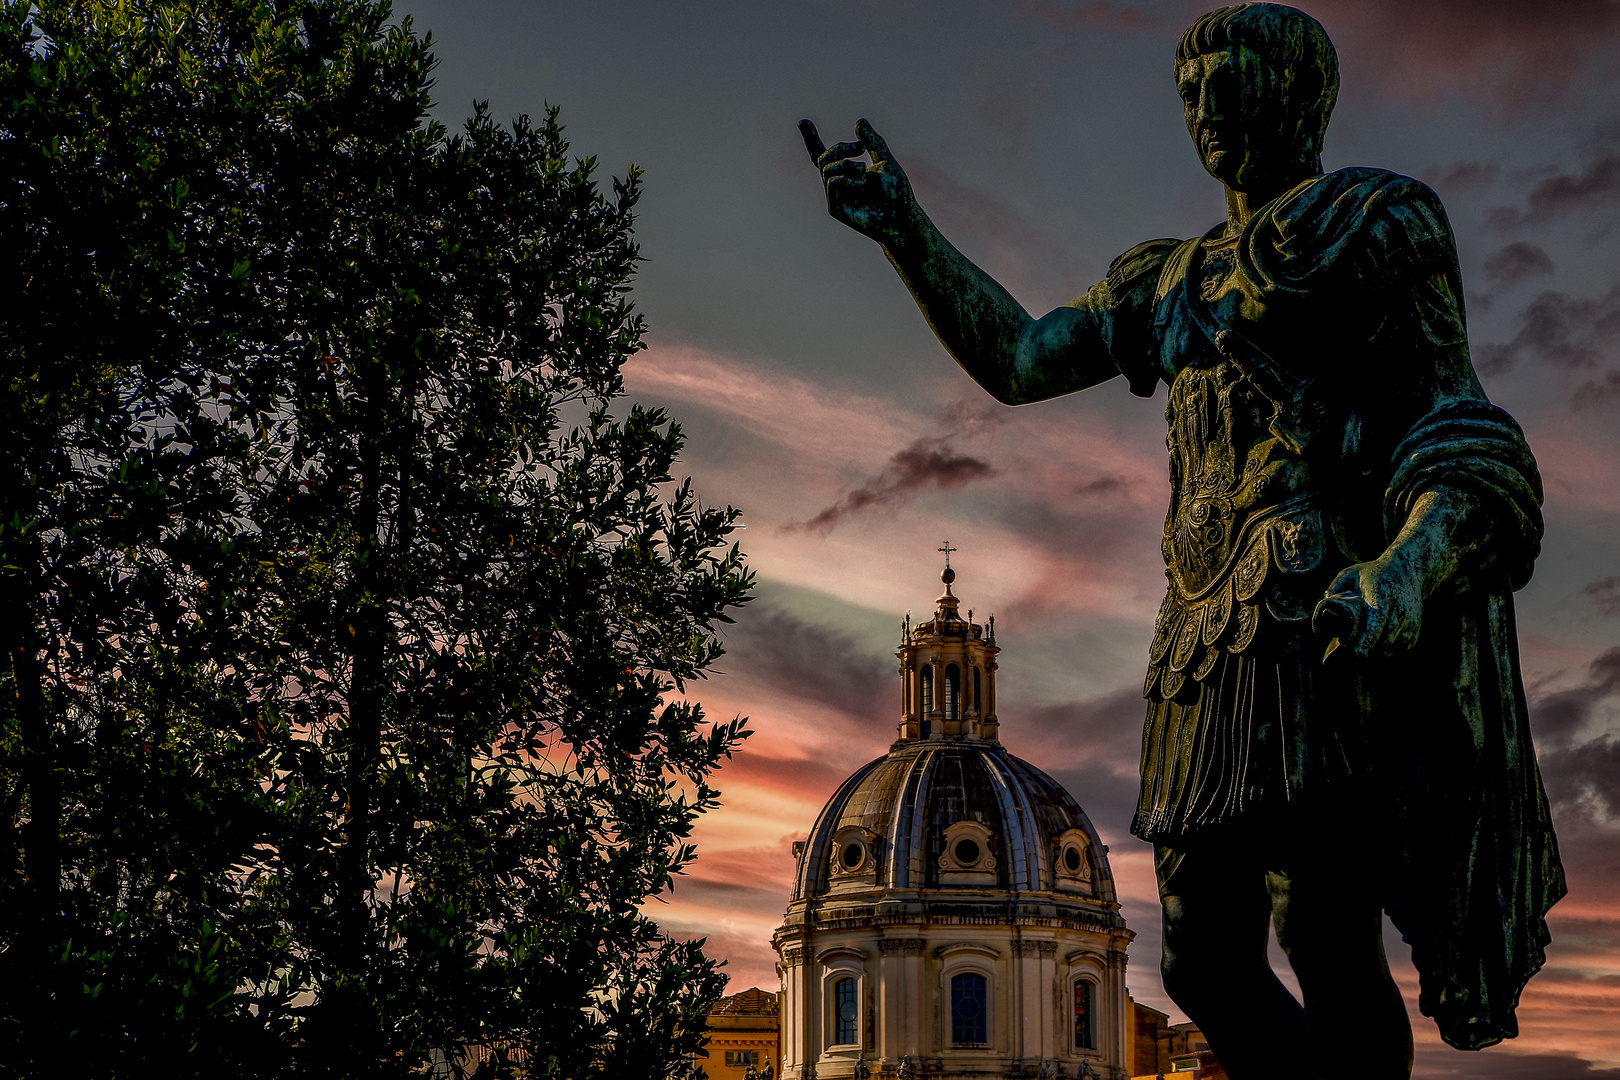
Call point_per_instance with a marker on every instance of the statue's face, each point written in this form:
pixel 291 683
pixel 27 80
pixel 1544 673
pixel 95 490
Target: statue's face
pixel 1236 117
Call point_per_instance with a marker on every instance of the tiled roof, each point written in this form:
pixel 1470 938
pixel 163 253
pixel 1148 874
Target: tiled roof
pixel 751 1002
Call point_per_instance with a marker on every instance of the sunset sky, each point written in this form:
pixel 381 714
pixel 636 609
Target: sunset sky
pixel 1045 138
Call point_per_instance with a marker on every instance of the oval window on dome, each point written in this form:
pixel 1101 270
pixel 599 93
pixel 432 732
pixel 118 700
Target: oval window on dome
pixel 966 852
pixel 851 855
pixel 1071 859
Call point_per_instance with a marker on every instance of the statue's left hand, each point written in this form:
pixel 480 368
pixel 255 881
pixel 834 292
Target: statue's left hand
pixel 1386 598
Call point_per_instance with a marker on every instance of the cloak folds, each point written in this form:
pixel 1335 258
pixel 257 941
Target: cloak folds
pixel 1323 349
pixel 1481 864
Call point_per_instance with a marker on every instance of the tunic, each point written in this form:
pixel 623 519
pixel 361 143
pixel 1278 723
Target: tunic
pixel 1318 386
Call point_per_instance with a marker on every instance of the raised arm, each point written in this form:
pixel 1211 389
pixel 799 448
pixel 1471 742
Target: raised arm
pixel 1018 359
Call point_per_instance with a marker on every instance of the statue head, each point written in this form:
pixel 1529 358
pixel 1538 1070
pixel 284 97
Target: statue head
pixel 1258 82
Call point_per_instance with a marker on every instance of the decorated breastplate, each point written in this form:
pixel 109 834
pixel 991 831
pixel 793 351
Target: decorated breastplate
pixel 1244 539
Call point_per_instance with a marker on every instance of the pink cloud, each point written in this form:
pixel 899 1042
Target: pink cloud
pixel 833 425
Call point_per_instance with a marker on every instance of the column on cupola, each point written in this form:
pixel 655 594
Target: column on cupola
pixel 910 717
pixel 989 725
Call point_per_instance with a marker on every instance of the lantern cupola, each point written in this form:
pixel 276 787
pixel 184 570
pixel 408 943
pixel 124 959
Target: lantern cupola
pixel 948 672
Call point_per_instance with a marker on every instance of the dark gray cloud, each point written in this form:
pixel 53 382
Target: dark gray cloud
pixel 1514 263
pixel 1558 716
pixel 1593 187
pixel 1598 392
pixel 1582 774
pixel 1101 486
pixel 1460 178
pixel 1596 185
pixel 926 463
pixel 1605 594
pixel 1560 330
pixel 767 645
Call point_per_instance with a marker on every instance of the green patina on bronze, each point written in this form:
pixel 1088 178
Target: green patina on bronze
pixel 1339 478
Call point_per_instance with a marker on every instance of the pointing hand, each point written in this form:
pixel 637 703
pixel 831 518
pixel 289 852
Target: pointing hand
pixel 874 199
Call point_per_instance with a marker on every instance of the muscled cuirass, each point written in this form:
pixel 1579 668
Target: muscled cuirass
pixel 1244 540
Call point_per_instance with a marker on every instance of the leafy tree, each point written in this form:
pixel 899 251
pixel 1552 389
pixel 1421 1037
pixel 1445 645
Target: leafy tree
pixel 347 597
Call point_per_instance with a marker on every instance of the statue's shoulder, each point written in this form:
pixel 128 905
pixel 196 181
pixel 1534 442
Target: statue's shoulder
pixel 1367 179
pixel 1377 223
pixel 1139 268
pixel 1355 198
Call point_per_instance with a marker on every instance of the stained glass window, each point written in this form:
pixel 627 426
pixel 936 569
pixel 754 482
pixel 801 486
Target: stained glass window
pixel 1082 1016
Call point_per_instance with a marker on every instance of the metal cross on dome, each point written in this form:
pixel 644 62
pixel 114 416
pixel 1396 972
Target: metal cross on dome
pixel 947 549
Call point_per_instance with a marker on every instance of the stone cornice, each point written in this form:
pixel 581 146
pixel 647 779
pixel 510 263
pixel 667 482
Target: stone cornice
pixel 956 947
pixel 840 950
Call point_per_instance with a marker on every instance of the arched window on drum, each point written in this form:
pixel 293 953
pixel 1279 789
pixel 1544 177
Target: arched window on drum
pixel 969 1009
pixel 953 691
pixel 1084 1039
pixel 846 1011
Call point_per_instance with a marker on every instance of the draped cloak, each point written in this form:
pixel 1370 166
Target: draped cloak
pixel 1319 385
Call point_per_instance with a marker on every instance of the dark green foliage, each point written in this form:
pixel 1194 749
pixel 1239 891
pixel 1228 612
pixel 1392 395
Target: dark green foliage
pixel 344 602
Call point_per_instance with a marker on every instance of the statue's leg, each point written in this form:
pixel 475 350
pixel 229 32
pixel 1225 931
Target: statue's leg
pixel 1217 914
pixel 1332 932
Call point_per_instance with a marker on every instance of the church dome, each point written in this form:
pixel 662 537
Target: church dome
pixel 948 807
pixel 953 915
pixel 934 813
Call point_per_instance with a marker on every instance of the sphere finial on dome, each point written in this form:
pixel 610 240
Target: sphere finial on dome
pixel 948 575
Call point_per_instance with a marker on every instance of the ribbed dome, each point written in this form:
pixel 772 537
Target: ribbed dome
pixel 953 914
pixel 913 808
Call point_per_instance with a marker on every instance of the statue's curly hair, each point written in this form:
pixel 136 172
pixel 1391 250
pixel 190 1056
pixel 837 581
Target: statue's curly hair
pixel 1304 69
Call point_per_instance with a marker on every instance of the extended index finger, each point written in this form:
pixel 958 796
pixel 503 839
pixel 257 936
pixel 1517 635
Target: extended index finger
pixel 812 141
pixel 872 141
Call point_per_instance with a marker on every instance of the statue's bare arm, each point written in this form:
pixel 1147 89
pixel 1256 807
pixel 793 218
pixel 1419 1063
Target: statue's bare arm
pixel 1018 359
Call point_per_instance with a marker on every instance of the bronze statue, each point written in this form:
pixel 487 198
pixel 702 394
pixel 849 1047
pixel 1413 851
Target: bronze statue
pixel 1336 723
